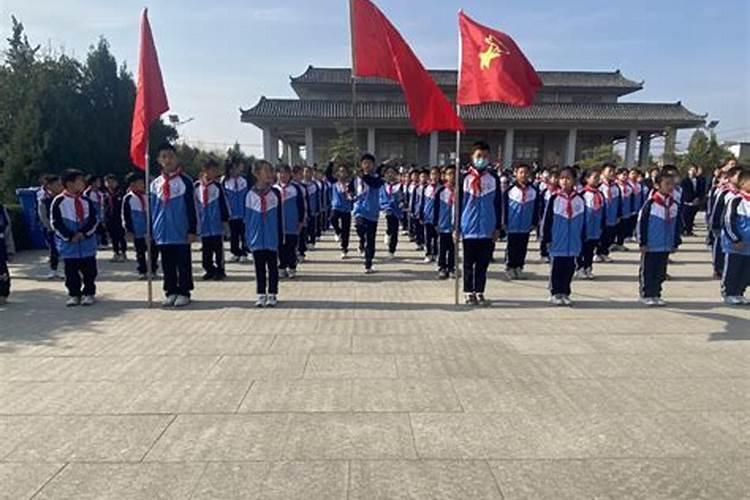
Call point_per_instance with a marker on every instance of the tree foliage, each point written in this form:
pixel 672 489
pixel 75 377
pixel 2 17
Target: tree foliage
pixel 597 155
pixel 704 151
pixel 342 149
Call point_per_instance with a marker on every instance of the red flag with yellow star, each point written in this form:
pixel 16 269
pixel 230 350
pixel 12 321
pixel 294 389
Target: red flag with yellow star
pixel 493 68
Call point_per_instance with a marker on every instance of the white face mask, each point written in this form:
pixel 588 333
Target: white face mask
pixel 481 163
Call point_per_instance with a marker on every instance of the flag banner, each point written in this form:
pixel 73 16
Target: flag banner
pixel 150 99
pixel 379 50
pixel 493 68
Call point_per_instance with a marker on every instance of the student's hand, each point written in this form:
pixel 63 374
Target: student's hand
pixel 739 245
pixel 76 237
pixel 192 238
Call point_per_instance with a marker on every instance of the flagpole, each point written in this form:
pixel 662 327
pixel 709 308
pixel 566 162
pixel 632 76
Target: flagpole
pixel 457 194
pixel 149 257
pixel 354 81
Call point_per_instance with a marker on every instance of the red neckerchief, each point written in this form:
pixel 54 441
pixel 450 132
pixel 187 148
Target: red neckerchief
pixel 204 193
pixel 745 195
pixel 666 202
pixel 524 189
pixel 569 198
pixel 475 181
pixel 624 187
pixel 609 189
pixel 236 183
pixel 597 196
pixel 263 204
pixel 452 196
pixel 78 204
pixel 166 188
pixel 141 197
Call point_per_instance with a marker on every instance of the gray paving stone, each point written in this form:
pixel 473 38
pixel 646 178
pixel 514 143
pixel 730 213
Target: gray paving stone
pixel 349 366
pixel 329 395
pixel 269 366
pixel 404 395
pixel 22 480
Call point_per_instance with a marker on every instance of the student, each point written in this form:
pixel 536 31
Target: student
pixel 595 210
pixel 298 179
pixel 443 219
pixel 367 208
pixel 735 240
pixel 73 216
pixel 724 195
pixel 427 211
pixel 404 179
pixel 135 225
pixel 324 200
pixel 640 195
pixel 235 186
pixel 659 229
pixel 481 219
pixel 342 194
pixel 613 204
pixel 313 205
pixel 694 192
pixel 391 202
pixel 416 208
pixel 113 218
pixel 51 187
pixel 213 215
pixel 522 208
pixel 627 212
pixel 410 195
pixel 550 187
pixel 174 223
pixel 564 231
pixel 263 220
pixel 95 192
pixel 4 251
pixel 293 208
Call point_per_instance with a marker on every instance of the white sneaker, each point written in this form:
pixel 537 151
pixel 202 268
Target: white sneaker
pixel 182 301
pixel 169 301
pixel 369 270
pixel 235 258
pixel 73 301
pixel 607 259
pixel 745 301
pixel 261 302
pixel 88 300
pixel 580 274
pixel 300 259
pixel 52 275
pixel 391 255
pixel 386 240
pixel 510 274
pixel 283 273
pixel 343 255
pixel 599 258
pixel 337 238
pixel 427 259
pixel 734 301
pixel 292 273
pixel 142 276
pixel 519 274
pixel 566 300
pixel 243 258
pixel 660 302
pixel 556 300
pixel 648 301
pixel 271 301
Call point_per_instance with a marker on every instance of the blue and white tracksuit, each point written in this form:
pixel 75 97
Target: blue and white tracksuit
pixel 659 230
pixel 70 215
pixel 735 241
pixel 564 230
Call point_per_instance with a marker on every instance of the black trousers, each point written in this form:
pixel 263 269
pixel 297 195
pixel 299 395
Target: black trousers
pixel 237 244
pixel 391 230
pixel 177 267
pixel 80 272
pixel 622 229
pixel 736 277
pixel 213 254
pixel 288 251
pixel 404 221
pixel 418 231
pixel 477 253
pixel 266 272
pixel 688 218
pixel 4 273
pixel 561 275
pixel 430 240
pixel 608 237
pixel 321 224
pixel 342 225
pixel 446 252
pixel 586 259
pixel 312 229
pixel 101 234
pixel 140 256
pixel 54 255
pixel 367 230
pixel 117 233
pixel 717 254
pixel 653 273
pixel 515 252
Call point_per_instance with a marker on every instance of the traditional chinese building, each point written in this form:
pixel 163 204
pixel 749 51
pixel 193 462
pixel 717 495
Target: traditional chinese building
pixel 573 112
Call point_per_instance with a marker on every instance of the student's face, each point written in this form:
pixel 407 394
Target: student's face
pixel 211 173
pixel 284 176
pixel 308 174
pixel 435 176
pixel 731 164
pixel 168 161
pixel 138 186
pixel 522 175
pixel 55 187
pixel 450 177
pixel 342 174
pixel 480 157
pixel 667 185
pixel 414 177
pixel 594 179
pixel 390 176
pixel 265 175
pixel 77 186
pixel 112 184
pixel 609 173
pixel 297 176
pixel 423 178
pixel 622 177
pixel 567 182
pixel 367 166
pixel 692 172
pixel 745 186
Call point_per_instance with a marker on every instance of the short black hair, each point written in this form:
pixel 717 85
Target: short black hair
pixel 522 165
pixel 367 156
pixel 734 171
pixel 48 179
pixel 92 178
pixel 284 168
pixel 480 146
pixel 593 170
pixel 110 177
pixel 744 176
pixel 608 165
pixel 622 170
pixel 569 170
pixel 669 170
pixel 134 177
pixel 209 164
pixel 71 175
pixel 166 146
pixel 661 176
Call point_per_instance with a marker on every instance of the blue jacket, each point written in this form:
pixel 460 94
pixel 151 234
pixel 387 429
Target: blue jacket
pixel 596 207
pixel 236 190
pixel 67 222
pixel 737 225
pixel 482 210
pixel 367 196
pixel 392 199
pixel 173 217
pixel 659 224
pixel 293 207
pixel 640 193
pixel 522 208
pixel 313 198
pixel 341 197
pixel 444 209
pixel 213 211
pixel 263 220
pixel 628 198
pixel 99 199
pixel 427 210
pixel 723 197
pixel 134 214
pixel 613 200
pixel 563 229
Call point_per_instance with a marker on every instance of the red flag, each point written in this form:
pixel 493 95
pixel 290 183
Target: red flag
pixel 379 50
pixel 493 68
pixel 150 98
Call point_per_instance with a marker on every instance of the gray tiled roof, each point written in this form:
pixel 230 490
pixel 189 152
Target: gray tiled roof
pixel 285 109
pixel 447 78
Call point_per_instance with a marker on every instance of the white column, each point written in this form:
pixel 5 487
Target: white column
pixel 309 146
pixel 570 150
pixel 645 150
pixel 630 148
pixel 371 140
pixel 508 148
pixel 286 153
pixel 434 136
pixel 295 157
pixel 267 144
pixel 670 139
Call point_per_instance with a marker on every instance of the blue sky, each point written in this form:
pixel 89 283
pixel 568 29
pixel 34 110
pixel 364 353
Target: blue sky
pixel 221 55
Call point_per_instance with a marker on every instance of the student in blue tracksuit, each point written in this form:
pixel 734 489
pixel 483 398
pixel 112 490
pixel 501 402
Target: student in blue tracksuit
pixel 96 193
pixel 613 201
pixel 264 223
pixel 481 220
pixel 313 205
pixel 174 225
pixel 293 207
pixel 74 219
pixel 659 230
pixel 427 211
pixel 391 203
pixel 235 186
pixel 416 208
pixel 51 187
pixel 564 228
pixel 596 208
pixel 735 241
pixel 342 195
pixel 367 207
pixel 443 218
pixel 213 215
pixel 627 197
pixel 298 180
pixel 725 192
pixel 4 273
pixel 135 225
pixel 547 190
pixel 522 208
pixel 410 194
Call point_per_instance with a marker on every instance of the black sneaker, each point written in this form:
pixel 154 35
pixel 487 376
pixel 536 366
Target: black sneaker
pixel 443 275
pixel 482 301
pixel 470 299
pixel 208 277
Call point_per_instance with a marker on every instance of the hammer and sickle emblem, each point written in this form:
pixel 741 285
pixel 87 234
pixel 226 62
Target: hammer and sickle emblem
pixel 495 49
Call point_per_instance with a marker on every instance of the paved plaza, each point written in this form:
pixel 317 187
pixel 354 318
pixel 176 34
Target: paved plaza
pixel 376 387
